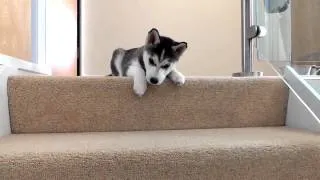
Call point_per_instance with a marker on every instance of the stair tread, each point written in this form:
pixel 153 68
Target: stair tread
pixel 232 153
pixel 84 104
pixel 264 137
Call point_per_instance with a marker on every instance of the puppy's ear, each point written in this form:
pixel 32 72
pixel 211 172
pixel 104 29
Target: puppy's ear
pixel 180 48
pixel 153 37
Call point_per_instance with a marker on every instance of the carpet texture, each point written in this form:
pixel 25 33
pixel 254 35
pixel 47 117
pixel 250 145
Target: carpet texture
pixel 268 153
pixel 95 104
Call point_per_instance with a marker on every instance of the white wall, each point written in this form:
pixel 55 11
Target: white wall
pixel 212 29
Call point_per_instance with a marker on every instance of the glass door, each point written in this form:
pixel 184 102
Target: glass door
pixel 274 16
pixel 292 45
pixel 292 36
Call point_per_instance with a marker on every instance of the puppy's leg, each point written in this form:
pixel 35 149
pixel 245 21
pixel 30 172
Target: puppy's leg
pixel 177 77
pixel 140 83
pixel 139 79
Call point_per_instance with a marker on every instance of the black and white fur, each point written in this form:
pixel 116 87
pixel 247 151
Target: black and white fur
pixel 314 70
pixel 151 63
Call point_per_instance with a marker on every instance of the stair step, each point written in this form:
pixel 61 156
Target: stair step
pixel 42 104
pixel 231 153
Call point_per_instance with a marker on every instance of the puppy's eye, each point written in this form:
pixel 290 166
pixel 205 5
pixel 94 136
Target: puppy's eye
pixel 165 66
pixel 151 61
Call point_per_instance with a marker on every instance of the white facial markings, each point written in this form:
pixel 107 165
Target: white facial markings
pixel 162 55
pixel 156 59
pixel 159 69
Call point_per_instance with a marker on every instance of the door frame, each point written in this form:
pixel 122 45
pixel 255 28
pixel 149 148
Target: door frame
pixel 79 46
pixel 38 31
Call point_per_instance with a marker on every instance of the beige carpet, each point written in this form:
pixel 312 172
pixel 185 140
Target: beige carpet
pixel 240 154
pixel 81 104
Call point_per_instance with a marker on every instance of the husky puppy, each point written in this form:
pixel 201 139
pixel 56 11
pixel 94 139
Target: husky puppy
pixel 151 63
pixel 314 70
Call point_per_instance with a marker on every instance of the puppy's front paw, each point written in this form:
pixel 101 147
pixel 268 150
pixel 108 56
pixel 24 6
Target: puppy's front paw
pixel 140 88
pixel 178 79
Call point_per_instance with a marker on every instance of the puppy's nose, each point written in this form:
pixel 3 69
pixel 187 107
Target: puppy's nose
pixel 154 80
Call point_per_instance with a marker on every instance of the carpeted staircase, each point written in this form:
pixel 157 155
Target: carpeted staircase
pixel 210 128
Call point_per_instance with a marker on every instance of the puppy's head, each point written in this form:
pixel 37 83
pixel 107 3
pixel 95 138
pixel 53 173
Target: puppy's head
pixel 160 56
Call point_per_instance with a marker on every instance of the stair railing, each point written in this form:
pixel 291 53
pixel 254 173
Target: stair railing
pixel 248 33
